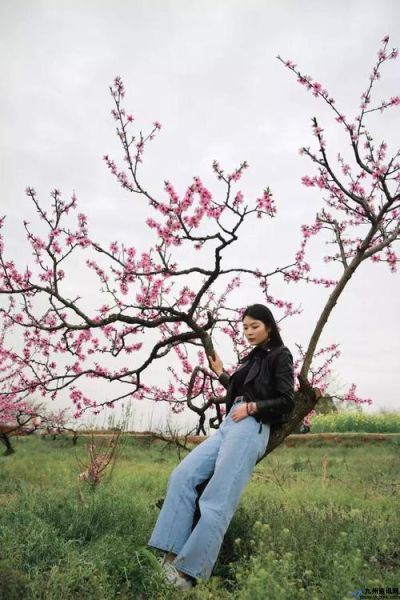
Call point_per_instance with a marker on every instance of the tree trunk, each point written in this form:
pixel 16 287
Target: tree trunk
pixel 4 438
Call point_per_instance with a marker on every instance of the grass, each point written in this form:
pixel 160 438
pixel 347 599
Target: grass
pixel 314 522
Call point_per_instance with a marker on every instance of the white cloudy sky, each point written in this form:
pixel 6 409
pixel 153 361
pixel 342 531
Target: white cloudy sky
pixel 208 71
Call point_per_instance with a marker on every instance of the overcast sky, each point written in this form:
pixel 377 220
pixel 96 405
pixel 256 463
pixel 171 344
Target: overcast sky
pixel 208 71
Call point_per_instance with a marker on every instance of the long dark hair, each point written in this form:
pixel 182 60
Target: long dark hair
pixel 263 313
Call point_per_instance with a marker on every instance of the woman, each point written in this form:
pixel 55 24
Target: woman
pixel 259 393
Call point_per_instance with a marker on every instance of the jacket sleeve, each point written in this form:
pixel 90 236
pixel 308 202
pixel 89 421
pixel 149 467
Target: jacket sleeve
pixel 224 379
pixel 283 379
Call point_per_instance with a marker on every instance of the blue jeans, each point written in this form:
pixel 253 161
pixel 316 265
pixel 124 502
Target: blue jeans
pixel 229 455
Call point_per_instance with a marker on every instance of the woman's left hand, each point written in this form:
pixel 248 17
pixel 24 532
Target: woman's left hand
pixel 239 412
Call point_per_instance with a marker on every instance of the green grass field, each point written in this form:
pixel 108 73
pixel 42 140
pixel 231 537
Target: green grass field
pixel 314 522
pixel 347 421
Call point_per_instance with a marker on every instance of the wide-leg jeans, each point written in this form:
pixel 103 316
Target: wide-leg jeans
pixel 229 455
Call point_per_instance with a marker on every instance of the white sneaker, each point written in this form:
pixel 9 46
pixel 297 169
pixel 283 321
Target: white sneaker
pixel 173 576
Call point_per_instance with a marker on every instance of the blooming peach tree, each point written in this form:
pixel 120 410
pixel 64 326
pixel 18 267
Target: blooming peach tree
pixel 149 308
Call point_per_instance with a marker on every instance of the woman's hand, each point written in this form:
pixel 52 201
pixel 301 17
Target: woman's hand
pixel 239 412
pixel 216 364
pixel 243 411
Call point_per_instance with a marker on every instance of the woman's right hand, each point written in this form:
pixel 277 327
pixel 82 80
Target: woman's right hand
pixel 216 364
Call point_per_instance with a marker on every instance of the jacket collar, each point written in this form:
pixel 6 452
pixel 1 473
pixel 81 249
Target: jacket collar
pixel 266 346
pixel 255 365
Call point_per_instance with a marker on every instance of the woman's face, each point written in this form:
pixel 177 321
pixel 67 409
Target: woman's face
pixel 256 332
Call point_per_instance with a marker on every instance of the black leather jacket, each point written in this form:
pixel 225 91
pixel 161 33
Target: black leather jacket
pixel 269 383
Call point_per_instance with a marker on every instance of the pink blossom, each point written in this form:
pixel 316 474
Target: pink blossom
pixel 316 88
pixel 307 181
pixel 290 64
